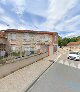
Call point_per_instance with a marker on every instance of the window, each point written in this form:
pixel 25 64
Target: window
pixel 26 47
pixel 13 47
pixel 27 37
pixel 37 38
pixel 46 38
pixel 13 36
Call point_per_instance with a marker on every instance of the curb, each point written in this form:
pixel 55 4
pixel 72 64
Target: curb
pixel 41 74
pixel 38 77
pixel 58 58
pixel 7 69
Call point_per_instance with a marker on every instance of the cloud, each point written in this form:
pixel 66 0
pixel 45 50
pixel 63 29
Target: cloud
pixel 69 25
pixel 2 11
pixel 62 16
pixel 37 7
pixel 56 11
pixel 72 34
pixel 19 6
pixel 8 20
pixel 3 27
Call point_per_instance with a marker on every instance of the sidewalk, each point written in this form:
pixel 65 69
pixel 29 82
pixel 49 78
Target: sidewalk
pixel 20 80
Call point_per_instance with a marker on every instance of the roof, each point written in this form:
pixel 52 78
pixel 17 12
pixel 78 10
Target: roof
pixel 73 43
pixel 2 34
pixel 29 31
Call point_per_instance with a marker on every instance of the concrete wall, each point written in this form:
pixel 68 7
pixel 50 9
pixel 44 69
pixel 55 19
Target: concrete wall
pixel 9 68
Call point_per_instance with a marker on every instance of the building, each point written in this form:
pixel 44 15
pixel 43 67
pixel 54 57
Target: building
pixel 74 45
pixel 2 43
pixel 29 40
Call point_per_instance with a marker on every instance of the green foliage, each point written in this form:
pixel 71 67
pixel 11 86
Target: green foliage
pixel 16 53
pixel 65 41
pixel 59 41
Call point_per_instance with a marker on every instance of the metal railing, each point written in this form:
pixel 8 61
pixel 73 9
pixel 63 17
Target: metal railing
pixel 14 56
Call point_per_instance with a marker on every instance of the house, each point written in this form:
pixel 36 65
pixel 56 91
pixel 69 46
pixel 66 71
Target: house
pixel 74 45
pixel 29 40
pixel 2 43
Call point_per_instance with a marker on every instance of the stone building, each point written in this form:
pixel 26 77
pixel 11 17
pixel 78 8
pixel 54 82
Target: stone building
pixel 73 45
pixel 2 43
pixel 29 40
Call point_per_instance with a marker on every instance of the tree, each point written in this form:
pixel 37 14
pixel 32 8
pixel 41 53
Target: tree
pixel 60 41
pixel 64 41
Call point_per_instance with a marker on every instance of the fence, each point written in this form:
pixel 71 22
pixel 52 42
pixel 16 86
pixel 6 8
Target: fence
pixel 20 63
pixel 7 57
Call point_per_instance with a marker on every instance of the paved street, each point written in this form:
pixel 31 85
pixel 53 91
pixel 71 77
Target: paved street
pixel 60 77
pixel 21 80
pixel 63 60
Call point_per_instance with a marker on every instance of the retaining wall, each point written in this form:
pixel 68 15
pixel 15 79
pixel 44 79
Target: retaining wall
pixel 18 64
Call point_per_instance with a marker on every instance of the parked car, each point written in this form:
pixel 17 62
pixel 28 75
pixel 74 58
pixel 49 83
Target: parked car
pixel 74 55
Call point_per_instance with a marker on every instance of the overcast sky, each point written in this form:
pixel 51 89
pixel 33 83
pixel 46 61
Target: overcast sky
pixel 62 16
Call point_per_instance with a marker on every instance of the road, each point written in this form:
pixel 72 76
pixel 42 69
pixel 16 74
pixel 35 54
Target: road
pixel 58 78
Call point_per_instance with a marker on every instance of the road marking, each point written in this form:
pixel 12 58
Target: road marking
pixel 66 63
pixel 58 58
pixel 61 61
pixel 79 65
pixel 72 64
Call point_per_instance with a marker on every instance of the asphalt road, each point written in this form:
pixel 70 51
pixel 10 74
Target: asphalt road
pixel 58 78
pixel 63 57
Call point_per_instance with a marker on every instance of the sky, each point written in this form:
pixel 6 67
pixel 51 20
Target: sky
pixel 62 16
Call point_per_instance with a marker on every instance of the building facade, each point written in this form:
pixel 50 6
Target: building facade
pixel 2 43
pixel 74 46
pixel 29 40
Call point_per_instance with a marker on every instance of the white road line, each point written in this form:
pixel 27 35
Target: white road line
pixel 69 63
pixel 79 66
pixel 66 63
pixel 61 61
pixel 72 64
pixel 58 58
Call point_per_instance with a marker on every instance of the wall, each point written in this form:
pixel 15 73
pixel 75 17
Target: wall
pixel 72 48
pixel 2 40
pixel 2 44
pixel 35 40
pixel 51 50
pixel 11 67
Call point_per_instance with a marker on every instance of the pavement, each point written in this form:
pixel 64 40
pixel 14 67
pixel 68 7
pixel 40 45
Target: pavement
pixel 58 78
pixel 22 79
pixel 71 63
pixel 62 76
